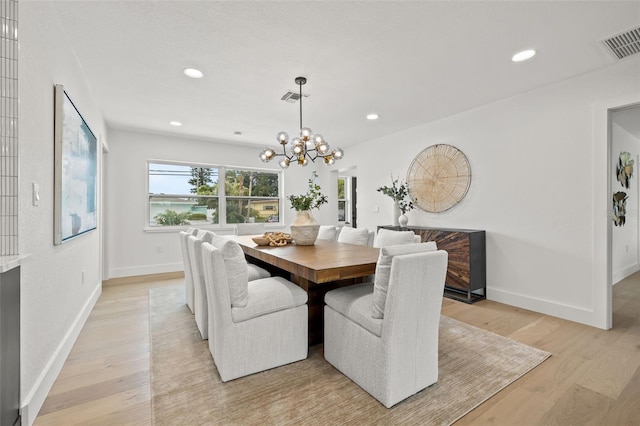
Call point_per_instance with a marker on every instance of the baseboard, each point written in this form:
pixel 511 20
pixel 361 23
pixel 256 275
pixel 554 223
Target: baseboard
pixel 547 307
pixel 143 278
pixel 145 270
pixel 36 396
pixel 623 273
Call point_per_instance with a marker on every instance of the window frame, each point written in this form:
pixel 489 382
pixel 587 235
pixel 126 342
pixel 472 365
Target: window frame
pixel 346 199
pixel 221 196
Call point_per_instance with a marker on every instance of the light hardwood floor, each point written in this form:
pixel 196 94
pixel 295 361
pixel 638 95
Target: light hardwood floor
pixel 593 376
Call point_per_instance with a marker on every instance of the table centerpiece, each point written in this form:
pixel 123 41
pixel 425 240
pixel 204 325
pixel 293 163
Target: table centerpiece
pixel 304 229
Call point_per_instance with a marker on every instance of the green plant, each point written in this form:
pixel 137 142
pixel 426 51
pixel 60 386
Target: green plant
pixel 171 217
pixel 398 193
pixel 197 216
pixel 313 199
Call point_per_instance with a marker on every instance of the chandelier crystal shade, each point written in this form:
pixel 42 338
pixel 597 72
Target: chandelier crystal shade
pixel 307 147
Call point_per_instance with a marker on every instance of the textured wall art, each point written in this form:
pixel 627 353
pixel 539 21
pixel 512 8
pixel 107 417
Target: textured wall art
pixel 624 170
pixel 619 208
pixel 438 178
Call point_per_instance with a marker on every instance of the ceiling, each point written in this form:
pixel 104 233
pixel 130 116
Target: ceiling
pixel 411 62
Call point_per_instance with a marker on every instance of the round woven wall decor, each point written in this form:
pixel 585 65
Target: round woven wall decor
pixel 438 178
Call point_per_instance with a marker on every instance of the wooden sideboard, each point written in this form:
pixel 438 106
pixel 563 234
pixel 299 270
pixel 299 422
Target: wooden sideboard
pixel 467 271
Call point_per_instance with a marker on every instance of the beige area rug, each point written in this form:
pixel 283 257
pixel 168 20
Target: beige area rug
pixel 186 388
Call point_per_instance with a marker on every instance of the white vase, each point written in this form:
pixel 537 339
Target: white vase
pixel 304 230
pixel 396 214
pixel 403 220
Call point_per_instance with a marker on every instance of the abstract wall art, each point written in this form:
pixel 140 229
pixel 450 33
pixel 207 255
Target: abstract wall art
pixel 75 171
pixel 619 208
pixel 624 169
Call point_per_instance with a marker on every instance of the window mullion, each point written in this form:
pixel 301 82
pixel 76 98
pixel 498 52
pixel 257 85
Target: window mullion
pixel 222 196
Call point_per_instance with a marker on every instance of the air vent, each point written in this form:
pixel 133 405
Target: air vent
pixel 292 97
pixel 624 44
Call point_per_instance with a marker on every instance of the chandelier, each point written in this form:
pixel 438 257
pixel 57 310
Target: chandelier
pixel 307 147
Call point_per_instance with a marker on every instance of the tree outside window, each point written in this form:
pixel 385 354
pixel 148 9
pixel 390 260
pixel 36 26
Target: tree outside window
pixel 182 194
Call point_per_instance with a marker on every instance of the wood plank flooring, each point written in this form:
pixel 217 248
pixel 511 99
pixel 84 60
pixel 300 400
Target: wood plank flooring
pixel 593 376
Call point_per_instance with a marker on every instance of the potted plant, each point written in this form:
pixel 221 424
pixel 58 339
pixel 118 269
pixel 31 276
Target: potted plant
pixel 304 229
pixel 399 194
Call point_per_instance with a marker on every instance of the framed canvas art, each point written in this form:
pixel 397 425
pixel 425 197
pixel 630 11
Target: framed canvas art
pixel 75 171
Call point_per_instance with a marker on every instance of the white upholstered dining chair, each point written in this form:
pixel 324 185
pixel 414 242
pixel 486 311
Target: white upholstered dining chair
pixel 200 307
pixel 253 326
pixel 249 229
pixel 327 232
pixel 186 262
pixel 387 341
pixel 194 244
pixel 361 236
pixel 388 237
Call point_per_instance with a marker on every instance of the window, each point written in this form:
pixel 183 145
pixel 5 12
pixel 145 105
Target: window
pixel 248 193
pixel 191 194
pixel 343 205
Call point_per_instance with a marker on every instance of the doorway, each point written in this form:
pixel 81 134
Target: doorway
pixel 348 197
pixel 623 230
pixel 624 154
pixel 354 201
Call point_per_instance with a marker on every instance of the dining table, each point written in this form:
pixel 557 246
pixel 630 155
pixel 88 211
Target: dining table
pixel 317 268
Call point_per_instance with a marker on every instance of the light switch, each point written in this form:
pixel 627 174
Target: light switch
pixel 36 194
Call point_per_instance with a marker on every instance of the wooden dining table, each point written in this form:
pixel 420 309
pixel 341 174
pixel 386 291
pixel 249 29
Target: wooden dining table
pixel 318 268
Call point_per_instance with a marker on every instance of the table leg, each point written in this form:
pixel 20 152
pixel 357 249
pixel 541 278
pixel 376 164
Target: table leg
pixel 315 303
pixel 315 292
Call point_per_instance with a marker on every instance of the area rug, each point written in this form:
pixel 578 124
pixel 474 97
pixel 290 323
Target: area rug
pixel 186 389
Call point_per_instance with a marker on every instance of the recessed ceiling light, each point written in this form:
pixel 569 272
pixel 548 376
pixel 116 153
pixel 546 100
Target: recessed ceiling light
pixel 373 116
pixel 193 73
pixel 523 56
pixel 175 123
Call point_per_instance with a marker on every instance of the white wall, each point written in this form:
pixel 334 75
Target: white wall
pixel 532 187
pixel 54 300
pixel 624 239
pixel 132 249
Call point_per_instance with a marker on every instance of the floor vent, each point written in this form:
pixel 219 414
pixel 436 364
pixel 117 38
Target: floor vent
pixel 624 44
pixel 292 97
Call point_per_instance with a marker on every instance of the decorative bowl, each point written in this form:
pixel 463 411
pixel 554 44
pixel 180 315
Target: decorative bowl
pixel 261 241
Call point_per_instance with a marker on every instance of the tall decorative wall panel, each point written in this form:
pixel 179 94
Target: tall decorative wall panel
pixel 8 127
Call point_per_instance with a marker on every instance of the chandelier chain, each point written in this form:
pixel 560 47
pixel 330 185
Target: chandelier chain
pixel 300 85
